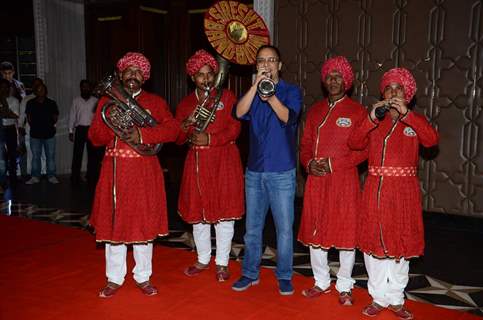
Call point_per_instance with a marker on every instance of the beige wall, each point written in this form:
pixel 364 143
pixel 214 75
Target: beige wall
pixel 439 41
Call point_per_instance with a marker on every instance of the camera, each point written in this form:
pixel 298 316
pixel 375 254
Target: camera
pixel 380 112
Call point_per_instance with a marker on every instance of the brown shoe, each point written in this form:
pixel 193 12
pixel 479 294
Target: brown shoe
pixel 222 273
pixel 372 310
pixel 314 292
pixel 345 298
pixel 109 290
pixel 401 312
pixel 147 288
pixel 195 269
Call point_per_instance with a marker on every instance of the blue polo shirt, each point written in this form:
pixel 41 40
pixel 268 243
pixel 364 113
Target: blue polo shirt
pixel 273 142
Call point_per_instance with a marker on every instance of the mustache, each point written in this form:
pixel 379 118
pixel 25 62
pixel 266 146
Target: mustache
pixel 131 82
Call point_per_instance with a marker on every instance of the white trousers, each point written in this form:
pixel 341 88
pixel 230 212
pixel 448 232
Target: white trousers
pixel 321 270
pixel 387 280
pixel 224 234
pixel 116 262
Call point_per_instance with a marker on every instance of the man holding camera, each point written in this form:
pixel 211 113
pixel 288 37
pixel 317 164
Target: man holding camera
pixel 391 224
pixel 270 178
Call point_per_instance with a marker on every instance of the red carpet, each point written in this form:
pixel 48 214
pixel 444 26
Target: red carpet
pixel 54 272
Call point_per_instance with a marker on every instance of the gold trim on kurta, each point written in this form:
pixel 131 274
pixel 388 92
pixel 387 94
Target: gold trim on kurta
pixel 324 121
pixel 114 192
pixel 133 242
pixel 381 178
pixel 210 222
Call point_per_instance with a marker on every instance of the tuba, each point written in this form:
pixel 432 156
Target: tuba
pixel 235 31
pixel 123 113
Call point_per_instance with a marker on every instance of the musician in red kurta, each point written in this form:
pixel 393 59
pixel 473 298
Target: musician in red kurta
pixel 130 202
pixel 212 184
pixel 391 225
pixel 332 190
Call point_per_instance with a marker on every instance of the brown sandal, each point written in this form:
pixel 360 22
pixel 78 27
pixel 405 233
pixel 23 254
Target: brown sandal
pixel 222 273
pixel 109 290
pixel 147 288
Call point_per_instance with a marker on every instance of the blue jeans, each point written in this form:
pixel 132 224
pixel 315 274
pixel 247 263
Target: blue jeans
pixel 3 156
pixel 277 191
pixel 48 145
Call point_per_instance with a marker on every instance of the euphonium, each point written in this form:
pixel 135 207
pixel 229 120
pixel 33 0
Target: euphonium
pixel 122 113
pixel 204 112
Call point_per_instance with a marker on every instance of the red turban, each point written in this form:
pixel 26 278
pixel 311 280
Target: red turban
pixel 402 77
pixel 198 60
pixel 135 59
pixel 341 65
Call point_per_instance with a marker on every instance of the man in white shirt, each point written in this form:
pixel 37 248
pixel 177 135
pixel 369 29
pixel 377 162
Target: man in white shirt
pixel 80 118
pixel 9 110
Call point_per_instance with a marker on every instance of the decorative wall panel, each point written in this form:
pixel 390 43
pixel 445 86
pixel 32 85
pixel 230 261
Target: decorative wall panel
pixel 441 42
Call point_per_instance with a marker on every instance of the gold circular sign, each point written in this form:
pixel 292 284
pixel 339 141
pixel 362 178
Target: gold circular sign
pixel 235 31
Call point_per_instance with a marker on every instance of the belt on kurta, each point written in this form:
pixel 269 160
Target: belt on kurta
pixel 207 147
pixel 393 171
pixel 122 153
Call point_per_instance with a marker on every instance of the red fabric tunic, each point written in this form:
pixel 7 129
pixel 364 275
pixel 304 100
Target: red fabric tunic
pixel 391 222
pixel 329 215
pixel 130 202
pixel 212 183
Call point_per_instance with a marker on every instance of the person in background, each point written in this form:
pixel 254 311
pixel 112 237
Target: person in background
pixel 80 118
pixel 42 114
pixel 22 132
pixel 9 110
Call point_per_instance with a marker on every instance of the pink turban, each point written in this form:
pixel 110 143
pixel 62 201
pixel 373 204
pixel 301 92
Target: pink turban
pixel 341 65
pixel 135 59
pixel 402 77
pixel 198 60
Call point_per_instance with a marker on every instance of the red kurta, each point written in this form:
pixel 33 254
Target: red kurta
pixel 212 184
pixel 391 222
pixel 130 202
pixel 329 216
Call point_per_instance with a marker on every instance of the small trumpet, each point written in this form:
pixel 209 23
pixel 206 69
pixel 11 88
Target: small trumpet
pixel 201 113
pixel 266 87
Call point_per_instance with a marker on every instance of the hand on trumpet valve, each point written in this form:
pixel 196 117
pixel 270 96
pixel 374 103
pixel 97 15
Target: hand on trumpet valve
pixel 187 123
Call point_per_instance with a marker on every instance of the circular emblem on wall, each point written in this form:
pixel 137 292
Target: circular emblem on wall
pixel 235 31
pixel 344 122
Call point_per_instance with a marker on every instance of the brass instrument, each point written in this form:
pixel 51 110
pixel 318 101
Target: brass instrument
pixel 122 113
pixel 204 113
pixel 266 87
pixel 235 31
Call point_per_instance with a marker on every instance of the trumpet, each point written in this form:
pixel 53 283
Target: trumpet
pixel 266 87
pixel 204 113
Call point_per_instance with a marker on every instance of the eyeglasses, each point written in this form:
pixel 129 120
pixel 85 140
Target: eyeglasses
pixel 268 60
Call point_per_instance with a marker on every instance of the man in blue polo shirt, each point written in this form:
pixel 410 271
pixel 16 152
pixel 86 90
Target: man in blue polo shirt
pixel 270 175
